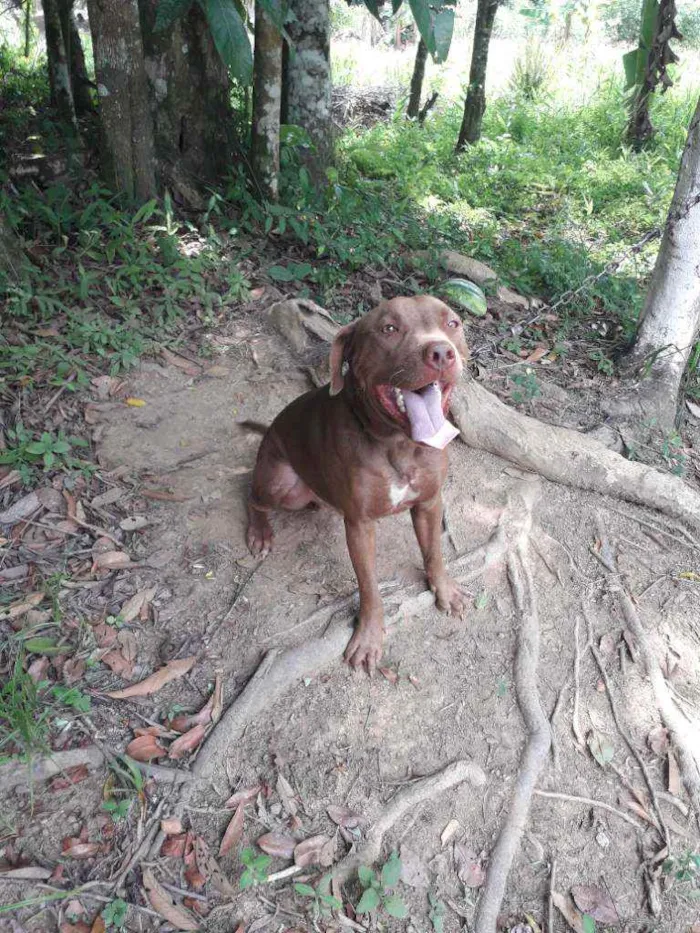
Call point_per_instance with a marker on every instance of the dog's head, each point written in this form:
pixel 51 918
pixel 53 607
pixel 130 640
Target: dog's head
pixel 399 356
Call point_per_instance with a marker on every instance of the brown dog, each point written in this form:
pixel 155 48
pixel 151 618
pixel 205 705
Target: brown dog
pixel 371 444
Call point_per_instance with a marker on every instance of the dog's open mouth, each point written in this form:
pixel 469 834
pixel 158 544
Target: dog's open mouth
pixel 422 411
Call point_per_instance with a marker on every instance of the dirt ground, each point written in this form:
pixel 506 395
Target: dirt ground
pixel 447 688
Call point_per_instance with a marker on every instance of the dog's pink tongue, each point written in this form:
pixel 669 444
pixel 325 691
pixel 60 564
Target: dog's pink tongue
pixel 428 424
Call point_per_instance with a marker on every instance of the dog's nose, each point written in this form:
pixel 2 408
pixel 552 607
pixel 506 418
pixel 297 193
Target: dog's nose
pixel 439 355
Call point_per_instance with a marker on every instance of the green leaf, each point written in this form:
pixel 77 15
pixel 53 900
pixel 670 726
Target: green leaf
pixel 61 447
pixel 248 855
pixel 588 923
pixel 366 875
pixel 395 906
pixel 169 11
pixel 305 889
pixel 466 295
pixel 247 879
pixel 391 871
pixel 601 747
pixel 333 902
pixel 276 11
pixel 374 7
pixel 368 901
pixel 629 61
pixel 442 30
pixel 230 38
pixel 421 14
pixel 281 274
pixel 42 646
pixel 36 448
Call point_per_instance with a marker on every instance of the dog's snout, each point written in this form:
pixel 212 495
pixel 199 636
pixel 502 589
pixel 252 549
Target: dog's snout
pixel 440 355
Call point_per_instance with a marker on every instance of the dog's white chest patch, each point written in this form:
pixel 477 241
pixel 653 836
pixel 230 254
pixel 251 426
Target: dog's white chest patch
pixel 399 494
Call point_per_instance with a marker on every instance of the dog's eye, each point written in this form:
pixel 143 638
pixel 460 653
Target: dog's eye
pixel 390 329
pixel 453 323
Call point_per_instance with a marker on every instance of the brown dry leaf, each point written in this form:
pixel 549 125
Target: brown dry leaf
pixel 242 796
pixel 469 869
pixel 286 794
pixel 98 925
pixel 344 816
pixel 73 670
pixel 674 777
pixel 234 831
pixel 112 560
pixel 14 476
pixel 21 509
pixel 316 850
pixel 80 927
pixel 449 831
pixel 212 870
pixel 596 902
pixel 277 845
pixel 658 740
pixel 607 644
pixel 171 826
pixel 187 366
pixel 134 523
pixel 105 635
pixel 389 675
pixel 132 607
pixel 195 877
pixel 163 904
pixel 217 699
pixel 171 671
pixel 19 608
pixel 77 849
pixel 69 777
pixel 128 644
pixel 145 748
pixel 38 668
pixel 27 873
pixel 108 498
pixel 174 846
pixel 567 909
pixel 116 661
pixel 537 354
pixel 187 743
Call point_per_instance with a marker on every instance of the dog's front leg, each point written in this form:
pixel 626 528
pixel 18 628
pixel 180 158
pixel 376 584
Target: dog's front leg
pixel 365 646
pixel 427 524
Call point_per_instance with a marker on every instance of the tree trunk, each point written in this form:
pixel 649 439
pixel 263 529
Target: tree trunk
pixel 190 91
pixel 267 97
pixel 10 252
pixel 475 104
pixel 307 101
pixel 76 58
pixel 28 11
pixel 669 322
pixel 417 80
pixel 125 116
pixel 59 70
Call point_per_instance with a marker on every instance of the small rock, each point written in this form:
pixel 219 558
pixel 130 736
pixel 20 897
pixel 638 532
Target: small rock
pixel 509 297
pixel 472 269
pixel 602 839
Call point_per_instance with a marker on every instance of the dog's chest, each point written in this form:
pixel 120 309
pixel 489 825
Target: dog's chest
pixel 416 476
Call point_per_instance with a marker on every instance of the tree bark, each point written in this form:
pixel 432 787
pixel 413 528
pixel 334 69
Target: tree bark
pixel 190 92
pixel 413 108
pixel 267 98
pixel 76 58
pixel 307 101
pixel 28 11
pixel 669 321
pixel 475 104
pixel 125 115
pixel 59 70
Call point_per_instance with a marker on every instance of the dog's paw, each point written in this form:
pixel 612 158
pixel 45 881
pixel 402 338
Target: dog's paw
pixel 259 535
pixel 365 647
pixel 450 597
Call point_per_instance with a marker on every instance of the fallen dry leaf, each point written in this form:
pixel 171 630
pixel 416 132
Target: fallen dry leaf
pixel 21 509
pixel 108 498
pixel 73 670
pixel 469 869
pixel 98 925
pixel 316 850
pixel 174 846
pixel 277 845
pixel 195 876
pixel 449 831
pixel 658 740
pixel 674 777
pixel 344 816
pixel 171 671
pixel 27 873
pixel 116 661
pixel 112 560
pixel 77 849
pixel 184 744
pixel 19 608
pixel 537 354
pixel 242 796
pixel 212 870
pixel 132 607
pixel 134 402
pixel 105 635
pixel 389 675
pixel 128 644
pixel 596 902
pixel 38 668
pixel 217 699
pixel 286 794
pixel 234 831
pixel 567 909
pixel 163 904
pixel 69 777
pixel 80 927
pixel 171 826
pixel 145 748
pixel 134 523
pixel 600 747
pixel 187 366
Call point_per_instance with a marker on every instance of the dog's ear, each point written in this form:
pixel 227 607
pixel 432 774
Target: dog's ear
pixel 338 358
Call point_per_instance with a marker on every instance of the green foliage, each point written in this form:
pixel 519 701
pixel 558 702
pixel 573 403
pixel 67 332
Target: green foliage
pixel 227 23
pixel 526 386
pixel 50 451
pixel 635 62
pixel 436 915
pixel 323 903
pixel 169 11
pixel 255 868
pixel 378 893
pixel 531 71
pixel 115 914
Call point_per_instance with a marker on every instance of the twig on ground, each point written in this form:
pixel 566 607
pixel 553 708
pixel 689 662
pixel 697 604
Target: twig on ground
pixel 55 397
pixel 214 626
pixel 550 899
pixel 687 539
pixel 142 850
pixel 575 724
pixel 539 736
pixel 404 800
pixel 285 873
pixel 590 802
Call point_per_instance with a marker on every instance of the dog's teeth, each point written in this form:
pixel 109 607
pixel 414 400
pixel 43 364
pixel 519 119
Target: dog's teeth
pixel 400 403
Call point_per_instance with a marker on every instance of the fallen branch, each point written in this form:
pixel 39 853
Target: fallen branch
pixel 565 456
pixel 536 750
pixel 589 802
pixel 404 800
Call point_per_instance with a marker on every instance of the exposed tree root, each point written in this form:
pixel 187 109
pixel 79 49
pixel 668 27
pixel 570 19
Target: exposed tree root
pixel 407 799
pixel 565 456
pixel 536 750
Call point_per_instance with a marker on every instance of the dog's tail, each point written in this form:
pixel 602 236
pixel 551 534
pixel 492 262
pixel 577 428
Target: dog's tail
pixel 254 426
